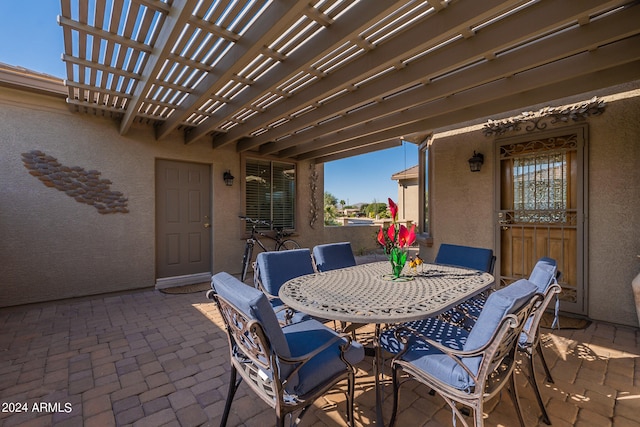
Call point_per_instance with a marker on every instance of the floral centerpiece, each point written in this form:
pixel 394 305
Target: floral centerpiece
pixel 396 240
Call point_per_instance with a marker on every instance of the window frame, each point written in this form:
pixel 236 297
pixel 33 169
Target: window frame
pixel 425 174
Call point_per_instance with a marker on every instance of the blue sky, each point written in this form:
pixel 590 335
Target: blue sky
pixel 31 38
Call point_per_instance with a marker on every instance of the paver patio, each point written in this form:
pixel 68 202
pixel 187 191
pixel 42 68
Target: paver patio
pixel 147 358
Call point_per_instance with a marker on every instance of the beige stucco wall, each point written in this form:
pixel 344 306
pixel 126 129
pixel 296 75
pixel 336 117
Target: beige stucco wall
pixel 614 208
pixel 408 208
pixel 54 247
pixel 462 203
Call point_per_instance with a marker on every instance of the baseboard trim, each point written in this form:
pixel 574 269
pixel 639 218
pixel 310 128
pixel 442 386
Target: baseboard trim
pixel 188 279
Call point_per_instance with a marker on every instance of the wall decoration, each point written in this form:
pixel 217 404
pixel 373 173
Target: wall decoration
pixel 85 186
pixel 313 190
pixel 536 119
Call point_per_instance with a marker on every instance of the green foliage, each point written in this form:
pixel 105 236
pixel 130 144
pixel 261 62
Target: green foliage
pixel 330 199
pixel 330 213
pixel 379 209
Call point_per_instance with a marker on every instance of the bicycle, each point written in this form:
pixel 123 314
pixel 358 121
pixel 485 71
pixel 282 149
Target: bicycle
pixel 281 241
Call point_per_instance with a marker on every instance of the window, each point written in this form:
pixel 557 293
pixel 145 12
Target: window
pixel 423 182
pixel 539 187
pixel 270 192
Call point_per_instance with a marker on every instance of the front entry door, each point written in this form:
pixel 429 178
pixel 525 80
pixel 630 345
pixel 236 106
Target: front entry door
pixel 183 209
pixel 540 209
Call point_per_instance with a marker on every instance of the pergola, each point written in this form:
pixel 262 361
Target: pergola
pixel 326 79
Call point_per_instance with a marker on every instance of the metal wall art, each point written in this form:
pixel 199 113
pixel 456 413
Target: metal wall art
pixel 84 186
pixel 537 120
pixel 313 190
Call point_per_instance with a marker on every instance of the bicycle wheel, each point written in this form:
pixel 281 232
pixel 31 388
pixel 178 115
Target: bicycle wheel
pixel 288 244
pixel 246 260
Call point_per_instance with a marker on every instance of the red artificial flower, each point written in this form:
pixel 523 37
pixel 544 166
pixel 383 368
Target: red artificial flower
pixel 381 237
pixel 406 237
pixel 391 233
pixel 394 209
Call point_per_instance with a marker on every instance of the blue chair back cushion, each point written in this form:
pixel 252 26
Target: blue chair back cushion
pixel 333 256
pixel 275 268
pixel 543 274
pixel 465 256
pixel 505 301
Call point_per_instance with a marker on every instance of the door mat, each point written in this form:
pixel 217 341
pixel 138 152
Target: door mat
pixel 564 322
pixel 187 289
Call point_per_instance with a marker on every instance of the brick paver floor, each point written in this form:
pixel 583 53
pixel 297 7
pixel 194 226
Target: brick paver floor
pixel 150 359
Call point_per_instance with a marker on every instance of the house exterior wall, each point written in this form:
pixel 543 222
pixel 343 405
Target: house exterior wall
pixel 408 199
pixel 462 203
pixel 54 247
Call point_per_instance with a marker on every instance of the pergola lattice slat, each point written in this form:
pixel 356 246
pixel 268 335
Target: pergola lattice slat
pixel 334 78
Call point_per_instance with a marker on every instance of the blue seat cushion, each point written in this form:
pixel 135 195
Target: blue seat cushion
pixel 332 256
pixel 465 256
pixel 304 337
pixel 428 359
pixel 443 367
pixel 275 268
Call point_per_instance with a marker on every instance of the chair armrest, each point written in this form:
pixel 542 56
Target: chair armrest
pixel 457 355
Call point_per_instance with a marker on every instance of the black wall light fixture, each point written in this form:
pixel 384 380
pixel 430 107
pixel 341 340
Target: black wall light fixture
pixel 476 161
pixel 228 178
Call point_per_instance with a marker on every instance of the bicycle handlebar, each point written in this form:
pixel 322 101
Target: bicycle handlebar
pixel 254 221
pixel 280 230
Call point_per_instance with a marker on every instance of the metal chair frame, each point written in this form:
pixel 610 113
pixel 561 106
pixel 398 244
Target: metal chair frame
pixel 254 360
pixel 496 370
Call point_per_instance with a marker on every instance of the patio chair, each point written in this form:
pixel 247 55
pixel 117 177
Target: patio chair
pixel 545 277
pixel 332 256
pixel 485 364
pixel 289 367
pixel 481 259
pixel 273 269
pixel 466 256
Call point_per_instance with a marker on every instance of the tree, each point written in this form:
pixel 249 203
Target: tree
pixel 342 203
pixel 330 199
pixel 376 209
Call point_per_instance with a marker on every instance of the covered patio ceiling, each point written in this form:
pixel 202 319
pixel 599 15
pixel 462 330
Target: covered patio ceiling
pixel 328 79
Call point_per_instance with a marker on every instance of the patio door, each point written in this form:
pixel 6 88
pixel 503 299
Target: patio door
pixel 540 209
pixel 183 233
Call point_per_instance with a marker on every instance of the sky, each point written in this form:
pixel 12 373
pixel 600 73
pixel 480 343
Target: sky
pixel 31 38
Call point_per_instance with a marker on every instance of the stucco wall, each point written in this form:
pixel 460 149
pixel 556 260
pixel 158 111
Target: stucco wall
pixel 462 203
pixel 614 209
pixel 408 199
pixel 54 247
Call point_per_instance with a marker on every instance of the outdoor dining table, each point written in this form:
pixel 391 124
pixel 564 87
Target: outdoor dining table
pixel 368 294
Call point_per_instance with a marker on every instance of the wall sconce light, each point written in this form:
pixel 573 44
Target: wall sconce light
pixel 228 178
pixel 476 161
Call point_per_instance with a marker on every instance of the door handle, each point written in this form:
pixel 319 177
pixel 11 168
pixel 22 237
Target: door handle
pixel 207 225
